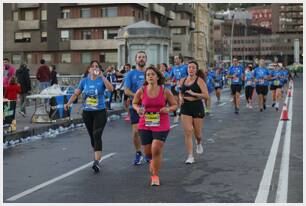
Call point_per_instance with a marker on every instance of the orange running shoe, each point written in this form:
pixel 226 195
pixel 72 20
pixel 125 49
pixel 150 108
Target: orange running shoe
pixel 155 180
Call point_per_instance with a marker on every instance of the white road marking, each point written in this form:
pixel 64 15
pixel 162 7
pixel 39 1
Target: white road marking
pixel 40 186
pixel 264 186
pixel 282 187
pixel 173 126
pixel 220 105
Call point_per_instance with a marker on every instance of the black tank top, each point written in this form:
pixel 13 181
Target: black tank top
pixel 193 87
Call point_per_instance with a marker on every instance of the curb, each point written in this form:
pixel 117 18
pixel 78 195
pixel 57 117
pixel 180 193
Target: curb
pixel 36 131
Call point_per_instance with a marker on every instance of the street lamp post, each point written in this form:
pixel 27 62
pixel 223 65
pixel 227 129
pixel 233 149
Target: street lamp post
pixel 126 54
pixel 232 33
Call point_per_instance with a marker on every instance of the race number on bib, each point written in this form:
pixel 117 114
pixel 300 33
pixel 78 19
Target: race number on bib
pixel 235 79
pixel 217 84
pixel 276 82
pixel 152 119
pixel 249 82
pixel 261 81
pixel 92 101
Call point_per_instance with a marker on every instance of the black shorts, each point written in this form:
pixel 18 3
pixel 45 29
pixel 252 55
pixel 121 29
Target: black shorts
pixel 273 87
pixel 134 116
pixel 147 136
pixel 193 108
pixel 260 89
pixel 125 97
pixel 173 90
pixel 236 88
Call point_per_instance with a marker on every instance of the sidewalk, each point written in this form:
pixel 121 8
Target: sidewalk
pixel 25 128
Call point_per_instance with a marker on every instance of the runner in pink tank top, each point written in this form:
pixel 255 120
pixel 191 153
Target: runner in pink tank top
pixel 150 102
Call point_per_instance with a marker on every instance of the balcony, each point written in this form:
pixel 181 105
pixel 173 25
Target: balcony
pixel 24 6
pixel 95 22
pixel 28 25
pixel 158 9
pixel 184 8
pixel 179 23
pixel 170 15
pixel 93 44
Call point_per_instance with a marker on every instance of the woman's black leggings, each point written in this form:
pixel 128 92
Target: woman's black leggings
pixel 248 92
pixel 95 122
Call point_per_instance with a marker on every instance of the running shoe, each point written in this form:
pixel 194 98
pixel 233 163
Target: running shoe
pixel 138 158
pixel 155 180
pixel 199 148
pixel 236 110
pixel 251 107
pixel 22 113
pixel 261 110
pixel 264 107
pixel 273 104
pixel 96 167
pixel 189 160
pixel 176 119
pixel 127 118
pixel 147 159
pixel 276 106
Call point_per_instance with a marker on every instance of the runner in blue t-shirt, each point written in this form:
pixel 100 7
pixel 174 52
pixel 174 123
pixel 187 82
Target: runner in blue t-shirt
pixel 163 70
pixel 178 71
pixel 218 83
pixel 94 112
pixel 276 86
pixel 249 85
pixel 210 75
pixel 262 76
pixel 133 81
pixel 236 74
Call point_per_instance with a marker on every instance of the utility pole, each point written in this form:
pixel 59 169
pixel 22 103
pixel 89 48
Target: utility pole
pixel 232 33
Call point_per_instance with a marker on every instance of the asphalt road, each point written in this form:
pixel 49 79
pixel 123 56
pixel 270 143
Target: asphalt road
pixel 231 169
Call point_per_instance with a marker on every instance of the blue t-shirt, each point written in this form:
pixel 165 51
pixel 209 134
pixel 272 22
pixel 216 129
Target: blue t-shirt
pixel 277 79
pixel 179 72
pixel 249 79
pixel 209 81
pixel 218 79
pixel 93 91
pixel 167 76
pixel 286 75
pixel 134 80
pixel 260 73
pixel 236 72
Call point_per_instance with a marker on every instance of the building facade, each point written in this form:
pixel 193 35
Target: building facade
pixel 71 35
pixel 261 16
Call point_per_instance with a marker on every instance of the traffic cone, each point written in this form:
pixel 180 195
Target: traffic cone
pixel 285 113
pixel 289 93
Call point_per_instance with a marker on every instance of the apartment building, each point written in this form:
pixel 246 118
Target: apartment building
pixel 71 35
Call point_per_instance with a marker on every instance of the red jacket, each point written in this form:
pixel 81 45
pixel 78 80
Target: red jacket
pixel 11 91
pixel 43 74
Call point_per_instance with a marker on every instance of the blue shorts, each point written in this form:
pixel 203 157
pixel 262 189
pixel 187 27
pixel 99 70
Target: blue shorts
pixel 134 116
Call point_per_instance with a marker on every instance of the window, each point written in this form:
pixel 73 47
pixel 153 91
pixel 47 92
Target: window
pixel 47 58
pixel 85 13
pixel 43 37
pixel 109 12
pixel 15 16
pixel 86 34
pixel 22 37
pixel 66 13
pixel 86 58
pixel 111 33
pixel 65 35
pixel 43 14
pixel 16 58
pixel 29 58
pixel 177 46
pixel 29 15
pixel 176 31
pixel 66 58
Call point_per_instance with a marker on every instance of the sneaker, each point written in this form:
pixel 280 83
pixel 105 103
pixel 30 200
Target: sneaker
pixel 261 110
pixel 155 180
pixel 127 118
pixel 176 119
pixel 138 158
pixel 189 160
pixel 264 107
pixel 273 104
pixel 96 166
pixel 147 159
pixel 199 148
pixel 251 107
pixel 236 110
pixel 276 106
pixel 22 113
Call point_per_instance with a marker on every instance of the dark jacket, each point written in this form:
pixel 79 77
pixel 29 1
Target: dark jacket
pixel 53 77
pixel 43 74
pixel 23 78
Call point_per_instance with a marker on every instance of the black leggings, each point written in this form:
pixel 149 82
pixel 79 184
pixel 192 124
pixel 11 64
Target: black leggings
pixel 95 122
pixel 248 92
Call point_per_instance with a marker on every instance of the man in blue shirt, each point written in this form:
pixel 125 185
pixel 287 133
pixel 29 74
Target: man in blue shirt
pixel 178 71
pixel 276 86
pixel 236 74
pixel 262 76
pixel 133 81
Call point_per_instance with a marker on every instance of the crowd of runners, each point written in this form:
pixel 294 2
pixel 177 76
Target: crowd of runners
pixel 153 93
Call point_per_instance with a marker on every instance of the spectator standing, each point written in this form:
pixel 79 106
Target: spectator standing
pixel 8 73
pixel 23 78
pixel 53 75
pixel 43 75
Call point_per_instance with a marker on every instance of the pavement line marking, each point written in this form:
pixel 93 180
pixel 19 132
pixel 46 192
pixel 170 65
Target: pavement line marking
pixel 220 105
pixel 173 126
pixel 264 186
pixel 282 187
pixel 40 186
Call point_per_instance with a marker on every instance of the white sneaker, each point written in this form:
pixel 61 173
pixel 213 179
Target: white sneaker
pixel 251 107
pixel 176 119
pixel 189 160
pixel 199 148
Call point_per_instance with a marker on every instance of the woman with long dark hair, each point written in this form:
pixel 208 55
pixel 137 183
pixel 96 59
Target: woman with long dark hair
pixel 94 108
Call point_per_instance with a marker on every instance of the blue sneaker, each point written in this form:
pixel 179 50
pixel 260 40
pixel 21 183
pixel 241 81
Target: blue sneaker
pixel 138 158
